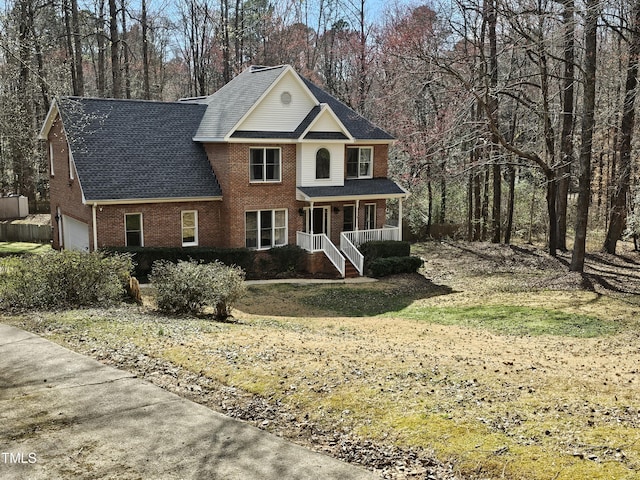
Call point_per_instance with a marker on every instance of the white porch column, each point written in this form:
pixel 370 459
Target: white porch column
pixel 357 215
pixel 310 219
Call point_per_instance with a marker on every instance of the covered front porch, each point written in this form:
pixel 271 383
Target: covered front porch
pixel 337 220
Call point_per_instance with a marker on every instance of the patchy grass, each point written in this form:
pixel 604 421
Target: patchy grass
pixel 17 248
pixel 501 382
pixel 516 320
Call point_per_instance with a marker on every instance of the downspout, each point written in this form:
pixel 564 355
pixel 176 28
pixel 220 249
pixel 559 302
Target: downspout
pixel 94 209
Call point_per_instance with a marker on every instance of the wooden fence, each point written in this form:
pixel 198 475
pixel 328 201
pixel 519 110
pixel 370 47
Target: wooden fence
pixel 24 232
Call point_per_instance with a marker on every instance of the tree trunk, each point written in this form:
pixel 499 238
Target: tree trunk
pixel 566 135
pixel 69 45
pixel 116 74
pixel 588 123
pixel 146 84
pixel 125 52
pixel 618 212
pixel 485 204
pixel 512 200
pixel 101 75
pixel 477 211
pixel 492 106
pixel 77 48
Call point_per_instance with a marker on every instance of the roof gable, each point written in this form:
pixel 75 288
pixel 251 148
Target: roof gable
pixel 277 103
pixel 134 150
pixel 229 105
pixel 326 125
pixel 282 107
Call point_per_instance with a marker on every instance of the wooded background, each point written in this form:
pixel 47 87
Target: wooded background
pixel 512 117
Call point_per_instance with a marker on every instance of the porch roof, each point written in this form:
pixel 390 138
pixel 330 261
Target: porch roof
pixel 360 189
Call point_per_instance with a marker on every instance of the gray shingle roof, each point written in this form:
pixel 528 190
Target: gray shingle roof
pixel 228 105
pixel 131 149
pixel 359 127
pixel 382 187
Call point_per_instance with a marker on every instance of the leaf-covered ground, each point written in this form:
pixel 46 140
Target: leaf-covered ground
pixel 495 363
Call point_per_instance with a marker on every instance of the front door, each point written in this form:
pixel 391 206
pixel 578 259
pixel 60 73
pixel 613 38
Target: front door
pixel 317 220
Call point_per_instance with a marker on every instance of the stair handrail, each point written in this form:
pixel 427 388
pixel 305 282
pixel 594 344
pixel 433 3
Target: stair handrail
pixel 352 253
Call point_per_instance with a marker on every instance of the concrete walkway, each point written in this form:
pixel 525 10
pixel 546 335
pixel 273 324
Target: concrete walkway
pixel 66 416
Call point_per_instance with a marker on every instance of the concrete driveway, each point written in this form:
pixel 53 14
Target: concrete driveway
pixel 66 416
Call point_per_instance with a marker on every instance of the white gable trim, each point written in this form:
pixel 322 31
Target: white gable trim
pixel 288 70
pixel 53 112
pixel 326 110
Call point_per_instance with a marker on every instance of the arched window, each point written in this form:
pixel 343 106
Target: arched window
pixel 323 164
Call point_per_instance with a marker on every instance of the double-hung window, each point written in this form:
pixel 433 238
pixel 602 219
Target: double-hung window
pixel 359 162
pixel 189 228
pixel 265 165
pixel 265 228
pixel 133 229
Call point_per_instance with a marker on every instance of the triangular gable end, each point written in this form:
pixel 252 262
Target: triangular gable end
pixel 282 107
pixel 327 122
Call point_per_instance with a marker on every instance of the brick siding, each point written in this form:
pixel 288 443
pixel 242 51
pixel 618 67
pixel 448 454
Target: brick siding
pixel 65 193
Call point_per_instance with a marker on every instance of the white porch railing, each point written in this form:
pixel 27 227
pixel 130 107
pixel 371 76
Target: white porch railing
pixel 319 242
pixel 352 253
pixel 359 237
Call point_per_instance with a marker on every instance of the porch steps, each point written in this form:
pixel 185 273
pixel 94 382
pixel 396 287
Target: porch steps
pixel 350 271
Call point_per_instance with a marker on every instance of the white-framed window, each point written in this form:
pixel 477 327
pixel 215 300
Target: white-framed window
pixel 265 164
pixel 370 216
pixel 189 228
pixel 265 228
pixel 349 218
pixel 51 153
pixel 323 164
pixel 359 162
pixel 71 176
pixel 133 230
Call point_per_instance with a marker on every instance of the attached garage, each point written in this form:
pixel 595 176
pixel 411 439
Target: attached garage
pixel 75 234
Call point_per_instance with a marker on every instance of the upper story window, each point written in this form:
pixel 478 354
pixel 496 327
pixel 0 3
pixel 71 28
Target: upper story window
pixel 265 165
pixel 323 164
pixel 133 229
pixel 189 228
pixel 359 162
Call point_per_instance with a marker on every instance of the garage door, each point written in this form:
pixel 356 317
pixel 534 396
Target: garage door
pixel 75 234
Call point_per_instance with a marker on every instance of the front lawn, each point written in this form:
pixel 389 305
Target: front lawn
pixel 471 371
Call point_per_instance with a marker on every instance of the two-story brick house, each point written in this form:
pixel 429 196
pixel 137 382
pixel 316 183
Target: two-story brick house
pixel 268 160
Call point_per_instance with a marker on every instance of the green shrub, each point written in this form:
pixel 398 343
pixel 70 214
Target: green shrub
pixel 189 287
pixel 383 249
pixel 145 257
pixel 381 267
pixel 64 279
pixel 284 260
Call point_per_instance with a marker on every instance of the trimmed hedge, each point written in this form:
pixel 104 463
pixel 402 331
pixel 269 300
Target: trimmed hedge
pixel 384 249
pixel 145 257
pixel 257 264
pixel 381 267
